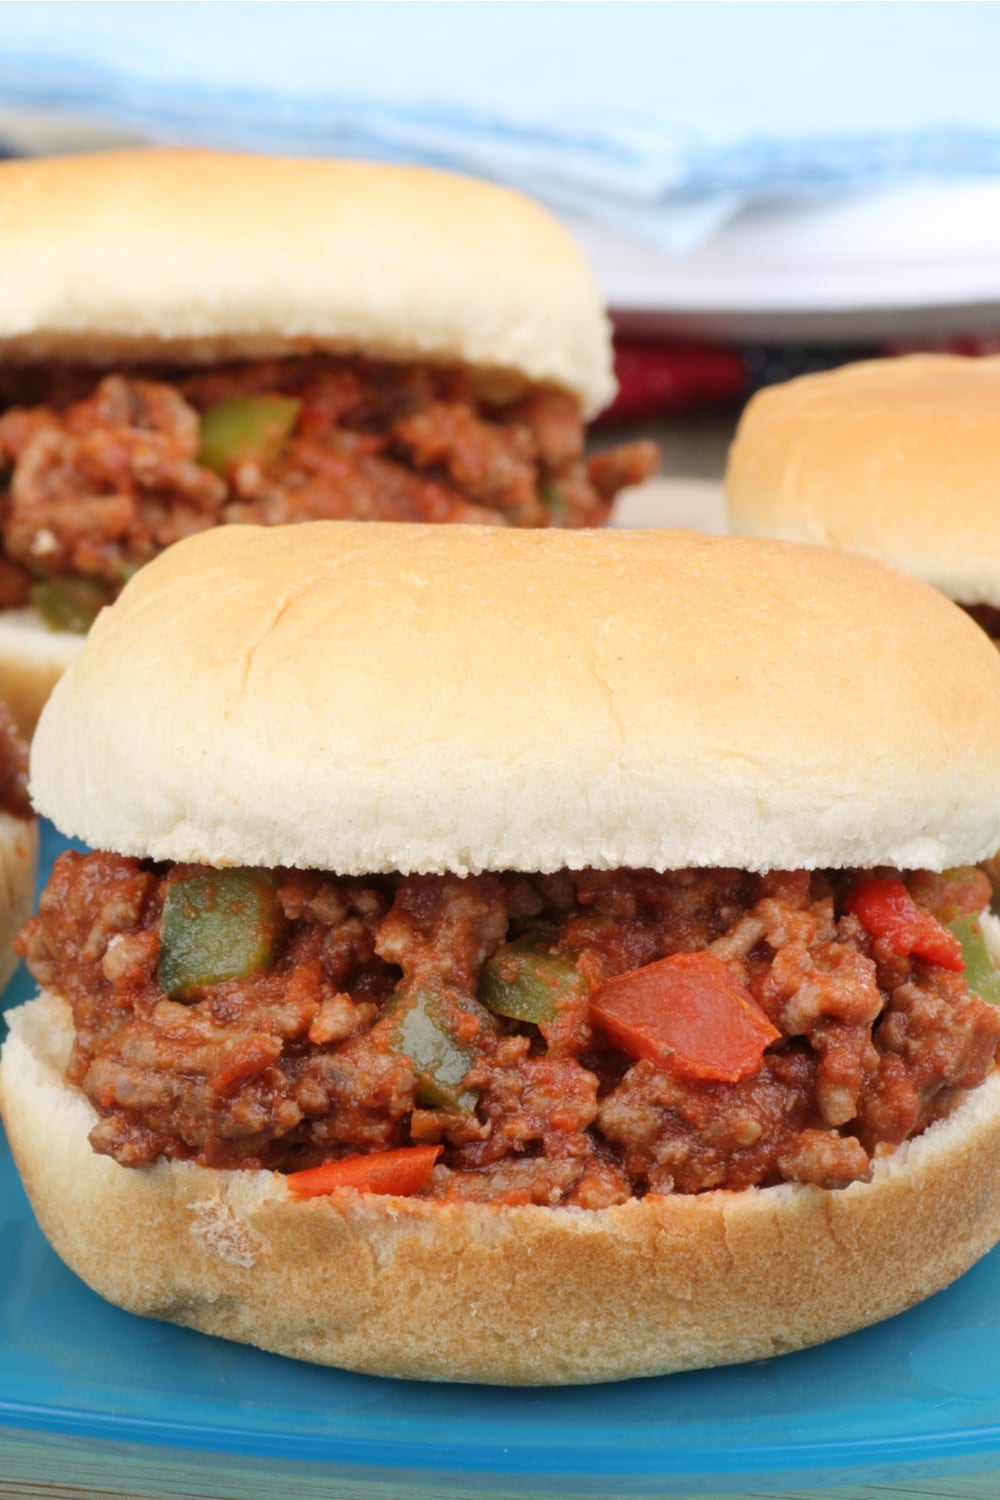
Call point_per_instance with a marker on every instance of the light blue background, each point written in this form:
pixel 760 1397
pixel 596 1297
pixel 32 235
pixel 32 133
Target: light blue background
pixel 659 118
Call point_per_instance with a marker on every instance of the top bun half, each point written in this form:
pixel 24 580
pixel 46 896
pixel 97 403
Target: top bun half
pixel 198 256
pixel 896 458
pixel 362 699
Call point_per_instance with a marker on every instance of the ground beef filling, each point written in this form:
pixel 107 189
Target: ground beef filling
pixel 100 474
pixel 14 799
pixel 302 1062
pixel 987 617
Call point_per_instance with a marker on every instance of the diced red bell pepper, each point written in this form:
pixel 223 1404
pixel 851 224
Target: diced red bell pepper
pixel 400 1172
pixel 887 911
pixel 688 1012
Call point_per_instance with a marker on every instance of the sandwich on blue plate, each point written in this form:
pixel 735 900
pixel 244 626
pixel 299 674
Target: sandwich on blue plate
pixel 515 956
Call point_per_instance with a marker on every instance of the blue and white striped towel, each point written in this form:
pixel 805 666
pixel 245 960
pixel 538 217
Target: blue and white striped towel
pixel 659 119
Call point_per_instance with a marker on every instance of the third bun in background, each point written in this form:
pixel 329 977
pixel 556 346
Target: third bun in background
pixel 896 458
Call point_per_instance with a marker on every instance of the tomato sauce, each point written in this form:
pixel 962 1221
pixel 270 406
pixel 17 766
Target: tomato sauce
pixel 851 1046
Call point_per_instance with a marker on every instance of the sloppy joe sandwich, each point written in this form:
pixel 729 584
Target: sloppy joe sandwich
pixel 189 338
pixel 18 841
pixel 896 458
pixel 515 956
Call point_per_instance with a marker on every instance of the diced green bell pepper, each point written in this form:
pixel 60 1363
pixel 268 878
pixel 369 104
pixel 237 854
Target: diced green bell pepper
pixel 217 925
pixel 69 603
pixel 246 427
pixel 554 499
pixel 525 982
pixel 421 1032
pixel 980 971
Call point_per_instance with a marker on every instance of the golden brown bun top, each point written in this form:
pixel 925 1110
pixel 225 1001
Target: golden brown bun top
pixel 361 697
pixel 897 458
pixel 190 255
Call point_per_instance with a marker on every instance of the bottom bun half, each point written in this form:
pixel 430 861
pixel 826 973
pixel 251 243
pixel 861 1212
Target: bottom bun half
pixel 404 1287
pixel 32 660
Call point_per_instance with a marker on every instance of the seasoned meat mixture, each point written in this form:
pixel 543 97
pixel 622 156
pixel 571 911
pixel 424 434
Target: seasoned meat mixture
pixel 517 1020
pixel 987 617
pixel 13 768
pixel 100 474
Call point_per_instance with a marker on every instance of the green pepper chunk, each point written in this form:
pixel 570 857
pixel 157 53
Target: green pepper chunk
pixel 127 568
pixel 217 925
pixel 69 603
pixel 980 971
pixel 554 499
pixel 525 982
pixel 246 427
pixel 422 1033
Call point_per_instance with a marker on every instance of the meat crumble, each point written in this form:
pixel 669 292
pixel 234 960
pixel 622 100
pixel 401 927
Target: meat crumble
pixel 14 799
pixel 100 473
pixel 308 1058
pixel 987 617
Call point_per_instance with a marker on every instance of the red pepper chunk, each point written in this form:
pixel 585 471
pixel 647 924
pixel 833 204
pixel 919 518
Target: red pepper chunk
pixel 887 911
pixel 688 1012
pixel 401 1172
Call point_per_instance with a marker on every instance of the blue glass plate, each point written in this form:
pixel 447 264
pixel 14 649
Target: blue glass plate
pixel 917 1395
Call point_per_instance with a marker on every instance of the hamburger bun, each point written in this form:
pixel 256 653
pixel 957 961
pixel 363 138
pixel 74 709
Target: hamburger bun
pixel 32 659
pixel 171 258
pixel 895 458
pixel 197 256
pixel 365 699
pixel 484 645
pixel 18 857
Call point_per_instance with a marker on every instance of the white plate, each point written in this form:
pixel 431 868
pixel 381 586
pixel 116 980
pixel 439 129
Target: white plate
pixel 694 504
pixel 916 261
pixel 910 263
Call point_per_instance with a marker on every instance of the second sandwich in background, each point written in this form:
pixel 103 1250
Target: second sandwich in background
pixel 189 338
pixel 895 458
